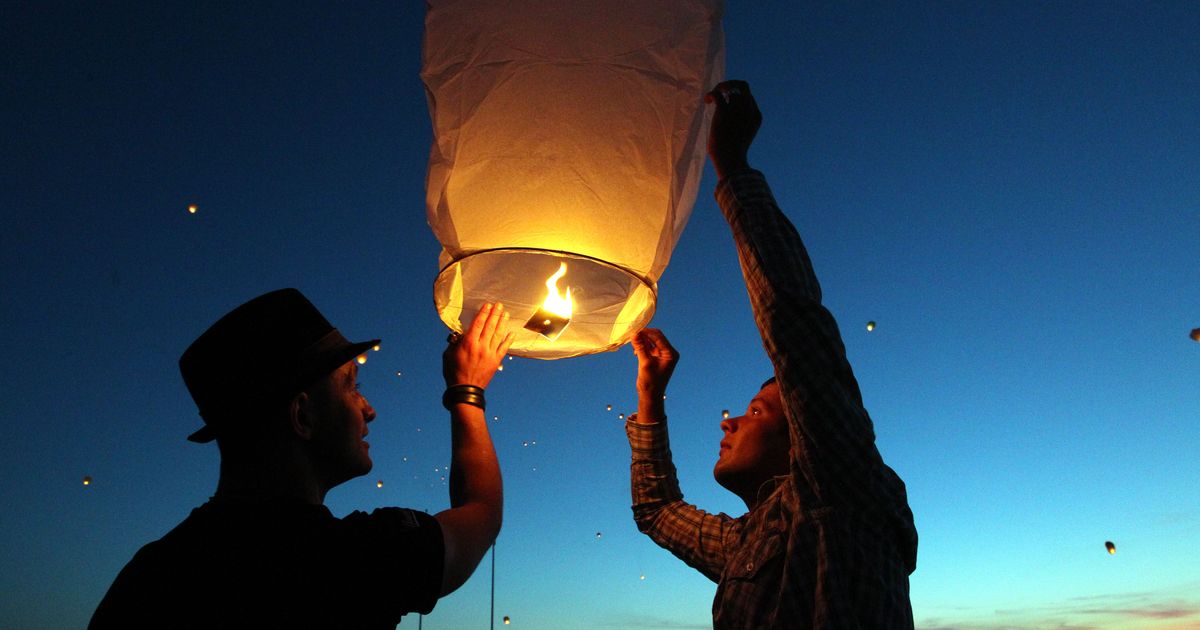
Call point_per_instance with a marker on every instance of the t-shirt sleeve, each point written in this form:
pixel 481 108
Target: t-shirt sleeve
pixel 400 553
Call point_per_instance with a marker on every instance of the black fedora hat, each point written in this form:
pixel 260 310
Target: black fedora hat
pixel 266 350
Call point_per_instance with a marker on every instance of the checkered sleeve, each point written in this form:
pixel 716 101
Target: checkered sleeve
pixel 693 535
pixel 833 454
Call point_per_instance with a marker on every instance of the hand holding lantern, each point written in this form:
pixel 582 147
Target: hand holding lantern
pixel 475 355
pixel 656 363
pixel 734 125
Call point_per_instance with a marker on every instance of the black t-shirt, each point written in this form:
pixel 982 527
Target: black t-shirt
pixel 249 563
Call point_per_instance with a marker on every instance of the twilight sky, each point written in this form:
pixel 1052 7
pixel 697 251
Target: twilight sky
pixel 1011 190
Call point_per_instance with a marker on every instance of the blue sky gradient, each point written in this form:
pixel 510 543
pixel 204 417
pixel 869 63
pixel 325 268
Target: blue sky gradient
pixel 1010 190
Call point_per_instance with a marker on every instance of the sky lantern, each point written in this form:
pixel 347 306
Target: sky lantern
pixel 192 209
pixel 870 326
pixel 1112 549
pixel 568 142
pixel 87 480
pixel 507 620
pixel 1196 334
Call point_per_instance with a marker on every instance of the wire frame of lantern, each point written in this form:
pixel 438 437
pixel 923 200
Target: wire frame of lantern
pixel 564 133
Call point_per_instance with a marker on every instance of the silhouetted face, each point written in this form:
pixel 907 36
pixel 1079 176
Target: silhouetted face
pixel 342 416
pixel 755 446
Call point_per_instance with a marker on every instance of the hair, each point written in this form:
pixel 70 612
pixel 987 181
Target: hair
pixel 766 382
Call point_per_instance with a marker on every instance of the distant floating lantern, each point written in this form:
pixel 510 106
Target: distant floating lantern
pixel 375 347
pixel 725 413
pixel 608 407
pixel 525 444
pixel 500 368
pixel 1112 549
pixel 621 416
pixel 870 326
pixel 1196 334
pixel 379 484
pixel 87 481
pixel 598 535
pixel 564 133
pixel 399 373
pixel 362 358
pixel 643 576
pixel 506 620
pixel 192 209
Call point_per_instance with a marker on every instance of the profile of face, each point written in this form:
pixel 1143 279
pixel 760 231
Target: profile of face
pixel 340 417
pixel 754 448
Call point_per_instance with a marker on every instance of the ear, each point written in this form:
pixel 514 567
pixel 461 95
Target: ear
pixel 302 417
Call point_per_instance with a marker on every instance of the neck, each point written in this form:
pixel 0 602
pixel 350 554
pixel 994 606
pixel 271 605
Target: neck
pixel 282 473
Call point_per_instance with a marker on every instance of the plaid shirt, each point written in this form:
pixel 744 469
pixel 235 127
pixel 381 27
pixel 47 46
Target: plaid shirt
pixel 831 544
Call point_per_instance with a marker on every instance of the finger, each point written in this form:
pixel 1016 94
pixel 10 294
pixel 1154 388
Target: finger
pixel 501 332
pixel 507 343
pixel 489 325
pixel 477 324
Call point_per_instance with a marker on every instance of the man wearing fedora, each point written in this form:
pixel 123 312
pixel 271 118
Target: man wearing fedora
pixel 275 384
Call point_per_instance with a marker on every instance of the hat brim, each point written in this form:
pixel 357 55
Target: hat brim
pixel 325 365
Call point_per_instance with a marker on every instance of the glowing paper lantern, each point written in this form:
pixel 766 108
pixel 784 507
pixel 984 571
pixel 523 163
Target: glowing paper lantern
pixel 379 484
pixel 1112 549
pixel 362 358
pixel 870 326
pixel 608 407
pixel 1196 334
pixel 725 413
pixel 506 620
pixel 87 481
pixel 564 132
pixel 192 209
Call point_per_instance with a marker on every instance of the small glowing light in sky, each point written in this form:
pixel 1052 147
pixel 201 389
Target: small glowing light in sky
pixel 643 576
pixel 362 358
pixel 500 368
pixel 495 417
pixel 621 416
pixel 1196 334
pixel 870 326
pixel 598 534
pixel 724 413
pixel 379 484
pixel 506 620
pixel 403 459
pixel 87 481
pixel 533 443
pixel 525 444
pixel 192 209
pixel 1111 547
pixel 510 358
pixel 375 348
pixel 608 407
pixel 399 373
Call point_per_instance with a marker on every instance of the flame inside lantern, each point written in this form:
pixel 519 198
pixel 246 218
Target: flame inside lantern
pixel 555 313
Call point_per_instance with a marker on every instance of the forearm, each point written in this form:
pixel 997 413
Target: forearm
pixel 474 469
pixel 659 510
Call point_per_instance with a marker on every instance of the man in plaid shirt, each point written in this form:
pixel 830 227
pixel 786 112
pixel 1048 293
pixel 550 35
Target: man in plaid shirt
pixel 828 540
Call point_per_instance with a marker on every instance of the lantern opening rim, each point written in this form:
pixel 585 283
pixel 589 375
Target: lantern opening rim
pixel 652 286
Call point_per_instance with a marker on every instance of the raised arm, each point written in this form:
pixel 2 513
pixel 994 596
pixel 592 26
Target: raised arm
pixel 833 454
pixel 473 521
pixel 693 535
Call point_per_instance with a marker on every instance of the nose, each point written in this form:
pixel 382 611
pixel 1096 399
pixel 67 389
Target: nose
pixel 727 425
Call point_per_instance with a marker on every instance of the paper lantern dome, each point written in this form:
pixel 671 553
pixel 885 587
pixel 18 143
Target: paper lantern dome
pixel 564 132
